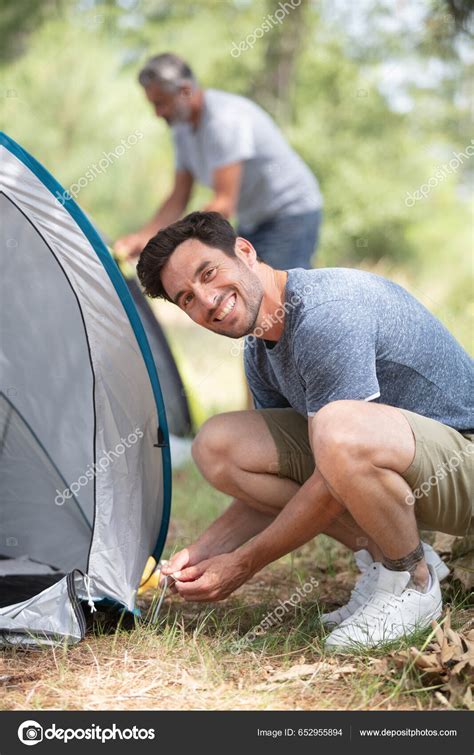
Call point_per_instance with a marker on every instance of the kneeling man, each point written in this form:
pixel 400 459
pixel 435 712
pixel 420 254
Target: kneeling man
pixel 363 429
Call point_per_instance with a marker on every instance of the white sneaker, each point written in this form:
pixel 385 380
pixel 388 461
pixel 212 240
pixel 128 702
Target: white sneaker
pixel 367 581
pixel 363 589
pixel 394 610
pixel 431 557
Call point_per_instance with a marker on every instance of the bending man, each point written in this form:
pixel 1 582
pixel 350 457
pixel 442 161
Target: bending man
pixel 231 145
pixel 364 404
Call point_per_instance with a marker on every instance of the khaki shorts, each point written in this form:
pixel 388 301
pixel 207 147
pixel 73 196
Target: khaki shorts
pixel 440 475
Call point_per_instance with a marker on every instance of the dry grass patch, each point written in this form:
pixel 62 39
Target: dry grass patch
pixel 188 660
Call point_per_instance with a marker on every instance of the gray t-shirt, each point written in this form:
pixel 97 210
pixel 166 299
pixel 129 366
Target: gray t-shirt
pixel 349 334
pixel 275 179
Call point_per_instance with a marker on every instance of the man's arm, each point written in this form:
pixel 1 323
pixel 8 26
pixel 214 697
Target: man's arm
pixel 311 510
pixel 306 515
pixel 226 183
pixel 171 209
pixel 235 526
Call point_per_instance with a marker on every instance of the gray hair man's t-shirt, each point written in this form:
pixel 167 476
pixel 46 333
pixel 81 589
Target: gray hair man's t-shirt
pixel 275 180
pixel 350 334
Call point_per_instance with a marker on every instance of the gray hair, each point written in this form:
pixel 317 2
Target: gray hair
pixel 168 70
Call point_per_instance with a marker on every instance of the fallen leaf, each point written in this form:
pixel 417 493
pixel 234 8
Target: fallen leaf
pixel 454 637
pixel 467 699
pixel 447 651
pixel 459 667
pixel 190 681
pixel 443 700
pixel 301 671
pixel 448 660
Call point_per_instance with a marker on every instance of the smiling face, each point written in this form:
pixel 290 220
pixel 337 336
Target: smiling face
pixel 219 292
pixel 173 107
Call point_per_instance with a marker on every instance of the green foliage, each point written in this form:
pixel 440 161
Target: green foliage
pixel 19 19
pixel 70 94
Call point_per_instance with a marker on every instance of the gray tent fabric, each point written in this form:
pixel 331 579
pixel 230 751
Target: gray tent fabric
pixel 178 412
pixel 84 447
pixel 28 484
pixel 47 619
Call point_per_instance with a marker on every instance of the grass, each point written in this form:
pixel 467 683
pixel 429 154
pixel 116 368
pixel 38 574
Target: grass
pixel 188 659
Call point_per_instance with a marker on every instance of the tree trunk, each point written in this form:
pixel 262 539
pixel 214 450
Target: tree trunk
pixel 273 87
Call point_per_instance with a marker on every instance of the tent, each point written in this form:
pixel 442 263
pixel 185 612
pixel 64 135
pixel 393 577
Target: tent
pixel 178 412
pixel 85 470
pixel 177 408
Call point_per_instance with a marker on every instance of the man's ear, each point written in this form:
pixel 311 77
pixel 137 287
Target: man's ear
pixel 245 252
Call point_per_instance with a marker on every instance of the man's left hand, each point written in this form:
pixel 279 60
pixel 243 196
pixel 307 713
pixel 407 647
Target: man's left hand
pixel 212 579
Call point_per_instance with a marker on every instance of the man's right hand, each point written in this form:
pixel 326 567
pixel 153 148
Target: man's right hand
pixel 183 558
pixel 178 561
pixel 235 526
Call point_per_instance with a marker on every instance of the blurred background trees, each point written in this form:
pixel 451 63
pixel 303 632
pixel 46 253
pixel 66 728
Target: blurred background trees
pixel 375 95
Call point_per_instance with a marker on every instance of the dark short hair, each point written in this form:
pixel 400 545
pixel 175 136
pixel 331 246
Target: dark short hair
pixel 209 227
pixel 168 70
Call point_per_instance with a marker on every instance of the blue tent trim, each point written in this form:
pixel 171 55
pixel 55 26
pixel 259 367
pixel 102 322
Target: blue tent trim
pixel 122 291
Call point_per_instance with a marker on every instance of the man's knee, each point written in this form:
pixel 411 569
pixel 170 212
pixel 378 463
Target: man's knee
pixel 210 448
pixel 341 436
